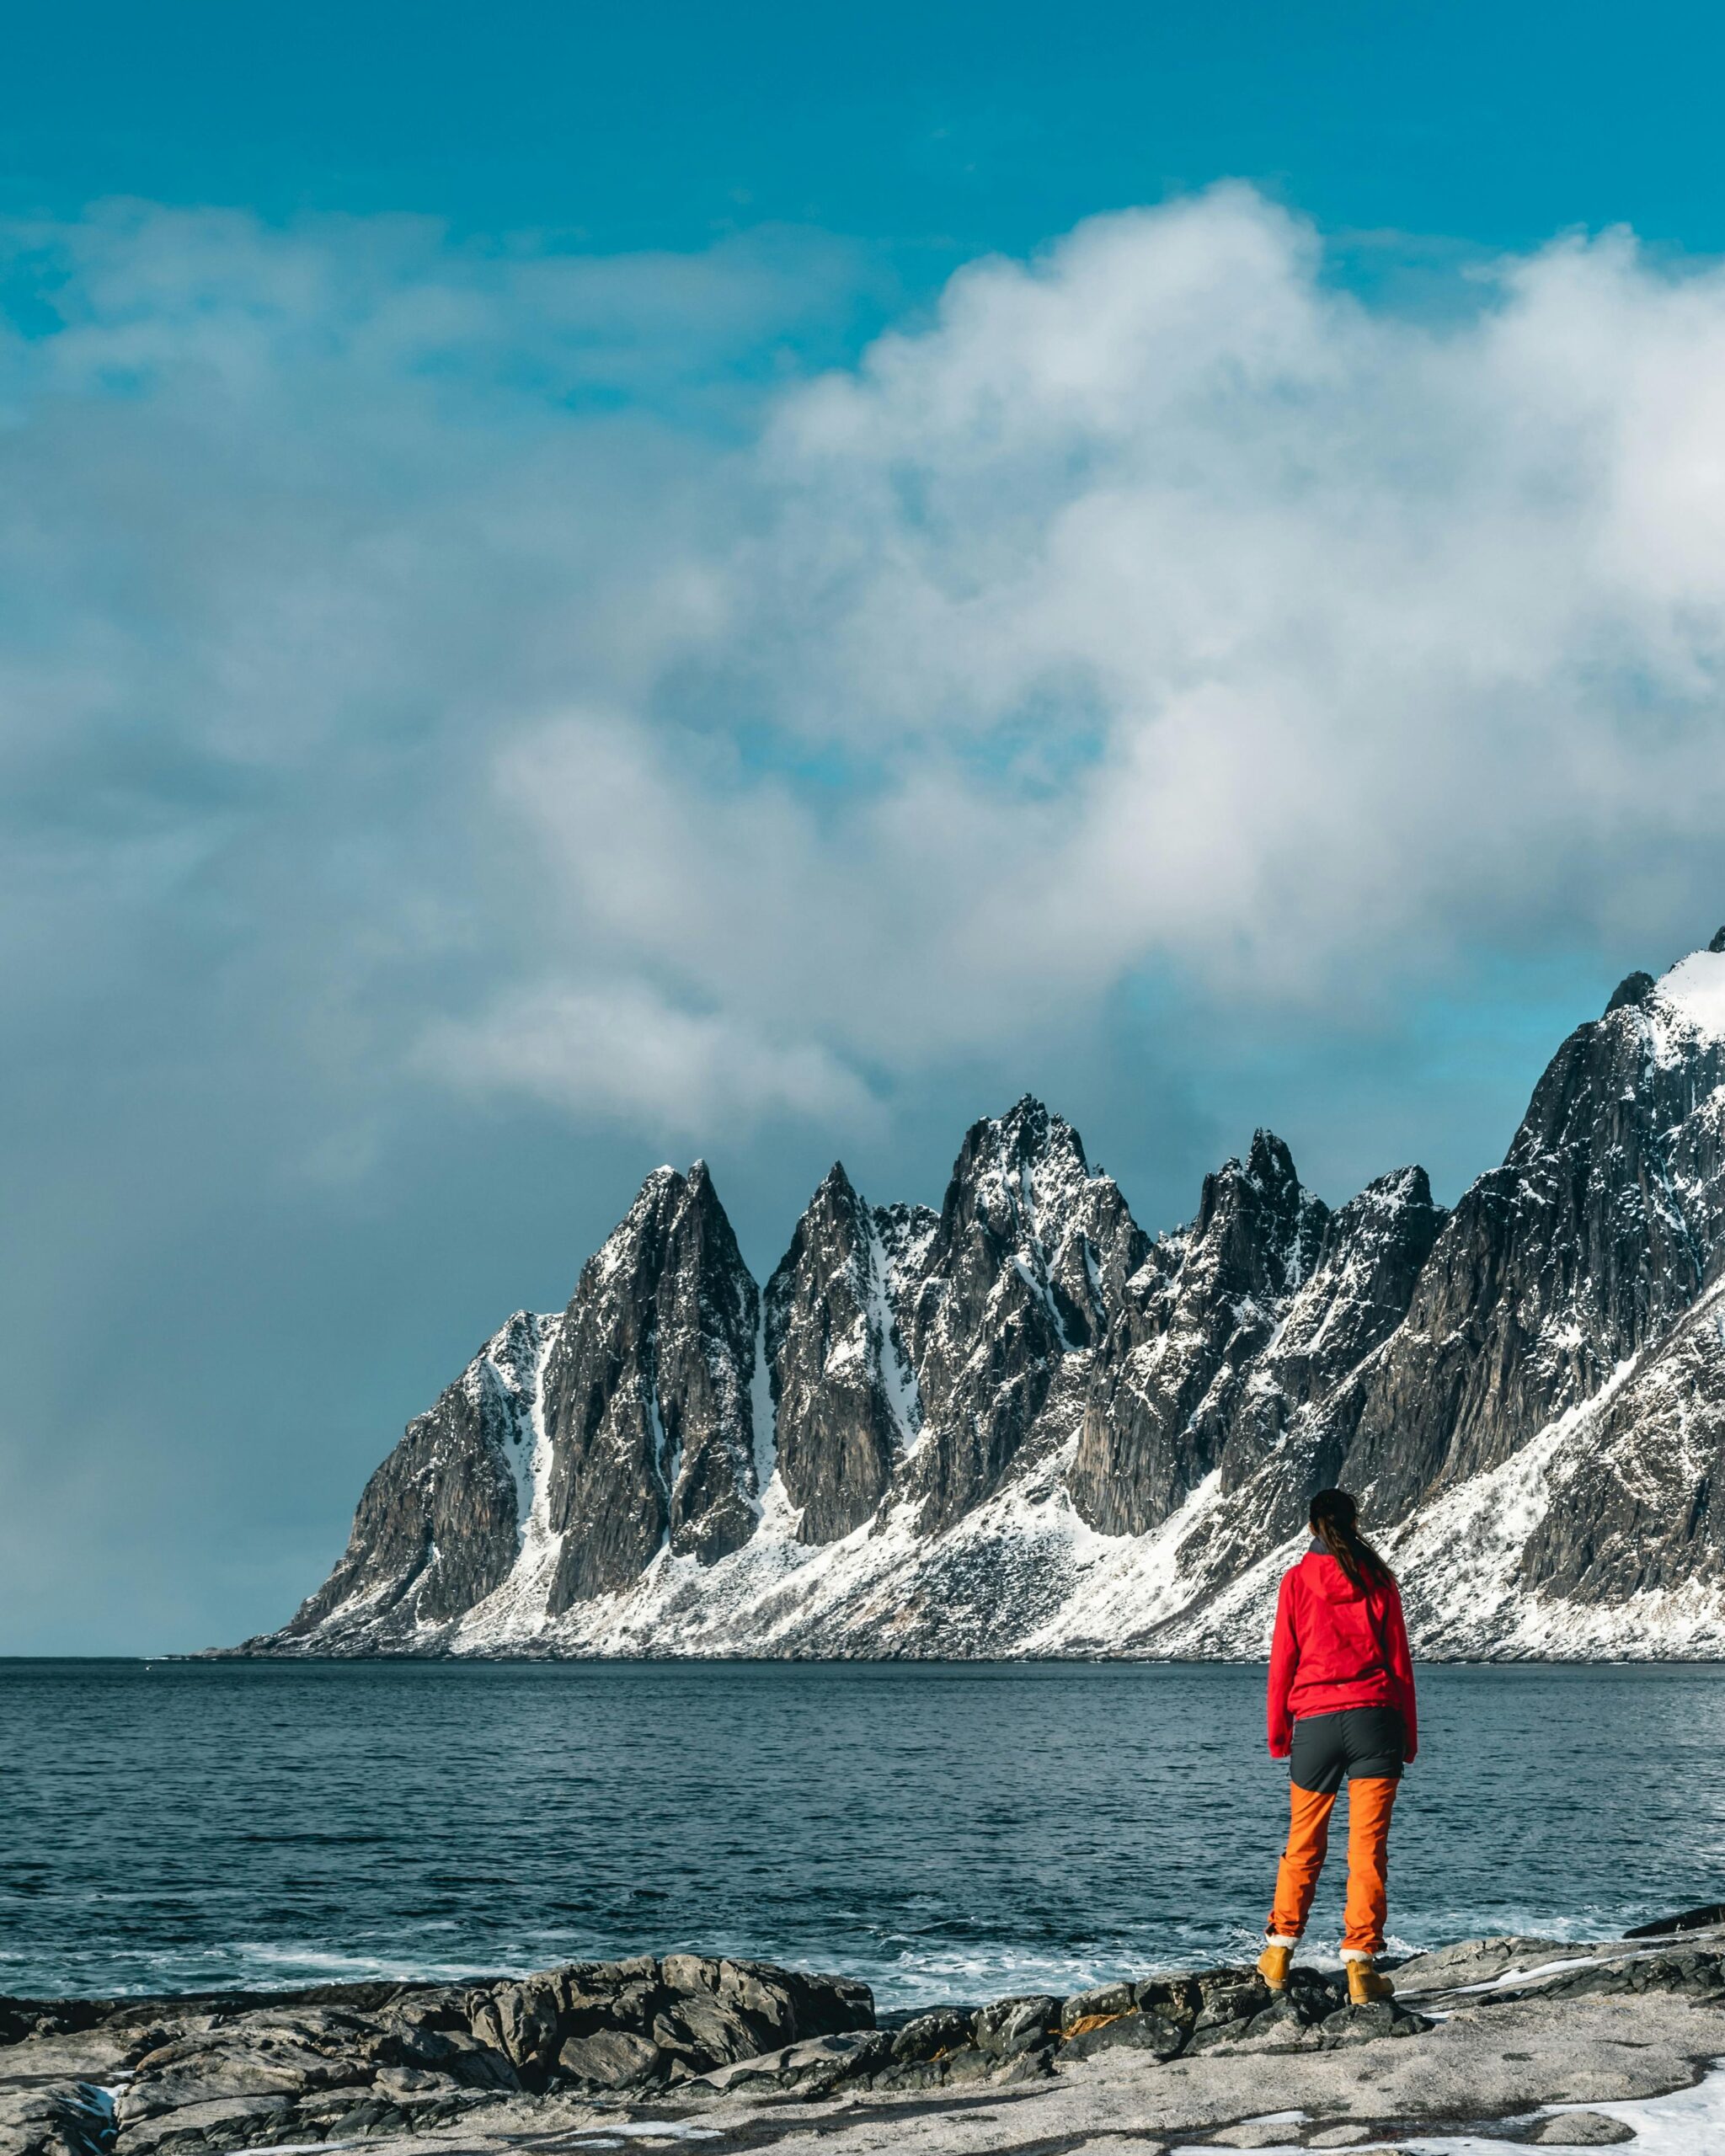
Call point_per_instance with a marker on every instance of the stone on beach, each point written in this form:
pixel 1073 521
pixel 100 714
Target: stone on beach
pixel 1580 2130
pixel 1135 2031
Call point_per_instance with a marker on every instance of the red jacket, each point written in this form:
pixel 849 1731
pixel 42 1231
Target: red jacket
pixel 1335 1647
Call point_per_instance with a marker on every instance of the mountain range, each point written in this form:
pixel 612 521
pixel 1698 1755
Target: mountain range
pixel 1023 1426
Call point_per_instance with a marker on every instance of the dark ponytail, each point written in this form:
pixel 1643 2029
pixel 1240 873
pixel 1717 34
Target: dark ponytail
pixel 1335 1525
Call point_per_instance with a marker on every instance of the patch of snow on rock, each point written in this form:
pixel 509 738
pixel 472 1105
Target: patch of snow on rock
pixel 1694 989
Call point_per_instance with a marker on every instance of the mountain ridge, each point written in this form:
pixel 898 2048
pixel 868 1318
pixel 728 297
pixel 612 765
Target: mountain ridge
pixel 1021 1425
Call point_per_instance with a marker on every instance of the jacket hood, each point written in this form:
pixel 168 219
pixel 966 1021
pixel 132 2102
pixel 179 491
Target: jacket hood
pixel 1324 1574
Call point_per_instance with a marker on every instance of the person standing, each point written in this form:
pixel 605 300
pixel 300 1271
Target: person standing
pixel 1341 1705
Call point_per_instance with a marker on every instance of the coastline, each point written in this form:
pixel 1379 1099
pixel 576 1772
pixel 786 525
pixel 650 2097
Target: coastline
pixel 1495 2042
pixel 463 1658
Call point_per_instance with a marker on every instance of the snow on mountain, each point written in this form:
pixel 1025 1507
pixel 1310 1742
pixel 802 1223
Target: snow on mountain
pixel 1695 991
pixel 1022 1426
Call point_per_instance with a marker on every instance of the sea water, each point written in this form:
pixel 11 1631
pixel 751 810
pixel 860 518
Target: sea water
pixel 943 1831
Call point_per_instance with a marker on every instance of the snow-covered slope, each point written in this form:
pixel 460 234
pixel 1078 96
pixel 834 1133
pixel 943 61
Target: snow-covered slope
pixel 1022 1426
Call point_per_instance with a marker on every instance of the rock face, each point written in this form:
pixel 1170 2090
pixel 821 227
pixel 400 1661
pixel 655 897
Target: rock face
pixel 1014 1282
pixel 647 1395
pixel 1593 1238
pixel 845 1401
pixel 1021 1425
pixel 1192 1330
pixel 437 1527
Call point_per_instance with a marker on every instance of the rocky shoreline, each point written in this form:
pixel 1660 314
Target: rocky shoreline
pixel 1483 2038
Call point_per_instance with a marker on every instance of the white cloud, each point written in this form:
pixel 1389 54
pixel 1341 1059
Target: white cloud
pixel 530 694
pixel 622 1050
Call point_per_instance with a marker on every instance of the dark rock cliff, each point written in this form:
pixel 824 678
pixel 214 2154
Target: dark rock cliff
pixel 648 1394
pixel 961 1432
pixel 1594 1237
pixel 435 1528
pixel 1015 1278
pixel 1192 1320
pixel 844 1399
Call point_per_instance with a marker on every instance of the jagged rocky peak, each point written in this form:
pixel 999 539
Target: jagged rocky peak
pixel 502 1386
pixel 1277 1413
pixel 1258 1229
pixel 1014 1280
pixel 510 1358
pixel 907 1233
pixel 1022 1183
pixel 1619 1165
pixel 436 1526
pixel 647 1395
pixel 1594 1237
pixel 1015 1171
pixel 845 1399
pixel 1692 994
pixel 1694 988
pixel 1292 1410
pixel 1373 1250
pixel 1632 989
pixel 1204 1302
pixel 1537 1377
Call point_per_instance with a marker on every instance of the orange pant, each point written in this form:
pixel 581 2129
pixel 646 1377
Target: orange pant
pixel 1369 1801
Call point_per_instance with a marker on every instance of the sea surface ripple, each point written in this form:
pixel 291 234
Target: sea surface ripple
pixel 944 1831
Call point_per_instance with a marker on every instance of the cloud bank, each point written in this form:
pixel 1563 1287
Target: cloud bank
pixel 520 675
pixel 475 721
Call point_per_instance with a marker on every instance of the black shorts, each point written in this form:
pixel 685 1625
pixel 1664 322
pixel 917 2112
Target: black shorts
pixel 1365 1741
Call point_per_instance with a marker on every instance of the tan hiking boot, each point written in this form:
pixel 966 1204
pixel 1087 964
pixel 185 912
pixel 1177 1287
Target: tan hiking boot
pixel 1273 1964
pixel 1365 1983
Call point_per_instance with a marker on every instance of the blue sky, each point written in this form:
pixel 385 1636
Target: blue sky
pixel 942 130
pixel 585 586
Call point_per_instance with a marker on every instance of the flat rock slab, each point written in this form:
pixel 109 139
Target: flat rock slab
pixel 1498 2062
pixel 1481 1960
pixel 1507 1962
